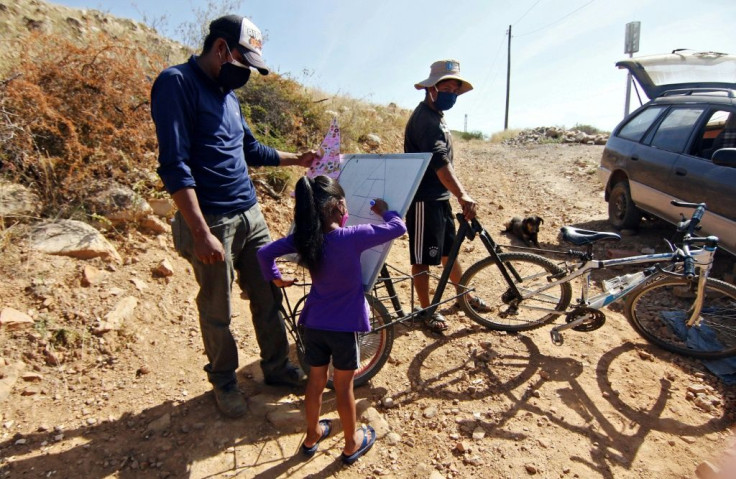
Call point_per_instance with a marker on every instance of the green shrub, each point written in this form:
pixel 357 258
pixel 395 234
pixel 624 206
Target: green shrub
pixel 472 135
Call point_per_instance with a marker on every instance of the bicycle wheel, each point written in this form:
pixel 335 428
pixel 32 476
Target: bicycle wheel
pixel 375 346
pixel 659 310
pixel 529 272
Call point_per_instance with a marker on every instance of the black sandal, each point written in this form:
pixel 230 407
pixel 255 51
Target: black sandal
pixel 435 323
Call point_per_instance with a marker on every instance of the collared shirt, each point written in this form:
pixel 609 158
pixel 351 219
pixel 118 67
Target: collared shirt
pixel 336 300
pixel 427 132
pixel 203 140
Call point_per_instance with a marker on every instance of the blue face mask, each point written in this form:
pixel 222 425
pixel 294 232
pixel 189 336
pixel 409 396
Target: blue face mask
pixel 445 100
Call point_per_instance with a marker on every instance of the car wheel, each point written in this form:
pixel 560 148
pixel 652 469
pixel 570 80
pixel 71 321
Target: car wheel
pixel 622 212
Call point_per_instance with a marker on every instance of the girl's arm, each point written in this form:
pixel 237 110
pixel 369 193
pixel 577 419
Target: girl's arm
pixel 370 235
pixel 267 259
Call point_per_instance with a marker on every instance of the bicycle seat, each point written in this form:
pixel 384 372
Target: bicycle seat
pixel 580 237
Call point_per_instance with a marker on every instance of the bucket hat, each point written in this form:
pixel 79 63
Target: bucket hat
pixel 444 70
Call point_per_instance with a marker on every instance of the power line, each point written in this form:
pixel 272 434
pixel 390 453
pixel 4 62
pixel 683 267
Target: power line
pixel 556 21
pixel 525 13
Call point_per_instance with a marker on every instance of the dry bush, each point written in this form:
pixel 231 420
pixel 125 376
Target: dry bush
pixel 75 115
pixel 501 136
pixel 358 118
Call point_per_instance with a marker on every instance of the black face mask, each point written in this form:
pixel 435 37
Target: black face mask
pixel 232 77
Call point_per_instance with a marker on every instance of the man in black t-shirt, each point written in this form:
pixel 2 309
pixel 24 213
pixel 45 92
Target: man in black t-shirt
pixel 429 220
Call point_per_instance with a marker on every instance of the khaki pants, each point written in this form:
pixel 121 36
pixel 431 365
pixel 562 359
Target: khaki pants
pixel 241 234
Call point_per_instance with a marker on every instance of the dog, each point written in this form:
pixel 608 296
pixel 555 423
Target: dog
pixel 527 229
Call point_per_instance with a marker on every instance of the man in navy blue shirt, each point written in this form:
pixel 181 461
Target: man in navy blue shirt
pixel 205 147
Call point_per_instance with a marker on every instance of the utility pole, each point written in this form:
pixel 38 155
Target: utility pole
pixel 631 46
pixel 466 123
pixel 508 83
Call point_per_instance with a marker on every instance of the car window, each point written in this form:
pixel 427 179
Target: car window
pixel 636 127
pixel 675 130
pixel 719 132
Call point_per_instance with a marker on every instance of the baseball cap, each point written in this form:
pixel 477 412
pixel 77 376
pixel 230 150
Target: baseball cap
pixel 444 70
pixel 235 28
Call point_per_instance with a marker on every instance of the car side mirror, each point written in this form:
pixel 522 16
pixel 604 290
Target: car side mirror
pixel 725 157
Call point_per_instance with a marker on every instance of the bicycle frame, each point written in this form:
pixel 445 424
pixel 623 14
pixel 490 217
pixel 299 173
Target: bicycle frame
pixel 703 259
pixel 467 230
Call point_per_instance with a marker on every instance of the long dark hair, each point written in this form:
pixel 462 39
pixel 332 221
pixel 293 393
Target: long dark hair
pixel 316 199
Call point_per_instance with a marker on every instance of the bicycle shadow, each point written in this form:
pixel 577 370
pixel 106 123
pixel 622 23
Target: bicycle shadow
pixel 187 438
pixel 524 382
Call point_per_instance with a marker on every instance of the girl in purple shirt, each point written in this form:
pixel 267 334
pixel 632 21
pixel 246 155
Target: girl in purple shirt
pixel 335 309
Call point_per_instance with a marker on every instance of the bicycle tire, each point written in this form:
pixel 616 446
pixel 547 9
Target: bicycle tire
pixel 375 346
pixel 490 286
pixel 658 311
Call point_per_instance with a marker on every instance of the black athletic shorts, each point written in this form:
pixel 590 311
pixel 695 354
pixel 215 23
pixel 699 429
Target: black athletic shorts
pixel 431 229
pixel 321 345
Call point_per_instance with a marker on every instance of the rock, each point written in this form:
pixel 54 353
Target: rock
pixel 388 402
pixel 119 204
pixel 11 373
pixel 32 377
pixel 393 438
pixel 286 417
pixel 91 275
pixel 531 469
pixel 72 238
pixel 161 207
pixel 374 418
pixel 280 411
pixel 478 433
pixel 697 388
pixel 17 201
pixel 370 140
pixel 461 447
pixel 436 475
pixel 31 391
pixel 429 412
pixel 163 268
pixel 153 224
pixel 115 318
pixel 159 425
pixel 12 319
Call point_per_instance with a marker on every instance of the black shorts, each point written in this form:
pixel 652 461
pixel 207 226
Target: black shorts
pixel 431 229
pixel 321 345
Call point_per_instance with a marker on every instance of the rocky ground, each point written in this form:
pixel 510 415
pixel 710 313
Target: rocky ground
pixel 76 401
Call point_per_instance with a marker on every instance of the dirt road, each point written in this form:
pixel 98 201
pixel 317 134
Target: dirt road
pixel 471 403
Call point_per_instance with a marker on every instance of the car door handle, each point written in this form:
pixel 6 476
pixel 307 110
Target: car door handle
pixel 680 172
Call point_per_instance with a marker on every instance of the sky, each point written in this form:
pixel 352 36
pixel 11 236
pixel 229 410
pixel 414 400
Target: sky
pixel 562 52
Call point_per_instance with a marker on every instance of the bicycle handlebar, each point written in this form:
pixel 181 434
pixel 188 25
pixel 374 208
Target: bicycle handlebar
pixel 689 226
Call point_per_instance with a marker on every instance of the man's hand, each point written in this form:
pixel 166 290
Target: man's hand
pixel 304 159
pixel 208 249
pixel 468 205
pixel 284 283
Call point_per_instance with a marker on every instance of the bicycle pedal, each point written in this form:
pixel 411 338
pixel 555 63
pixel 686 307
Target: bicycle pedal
pixel 556 337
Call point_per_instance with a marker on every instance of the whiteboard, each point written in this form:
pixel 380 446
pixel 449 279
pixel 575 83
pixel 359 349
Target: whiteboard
pixel 395 178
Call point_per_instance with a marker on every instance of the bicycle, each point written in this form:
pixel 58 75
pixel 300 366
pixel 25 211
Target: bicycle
pixel 375 345
pixel 676 306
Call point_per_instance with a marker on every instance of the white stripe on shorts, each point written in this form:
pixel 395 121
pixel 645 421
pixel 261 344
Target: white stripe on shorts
pixel 418 231
pixel 357 348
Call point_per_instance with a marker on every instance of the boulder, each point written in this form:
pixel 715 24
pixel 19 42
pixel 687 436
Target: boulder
pixel 72 238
